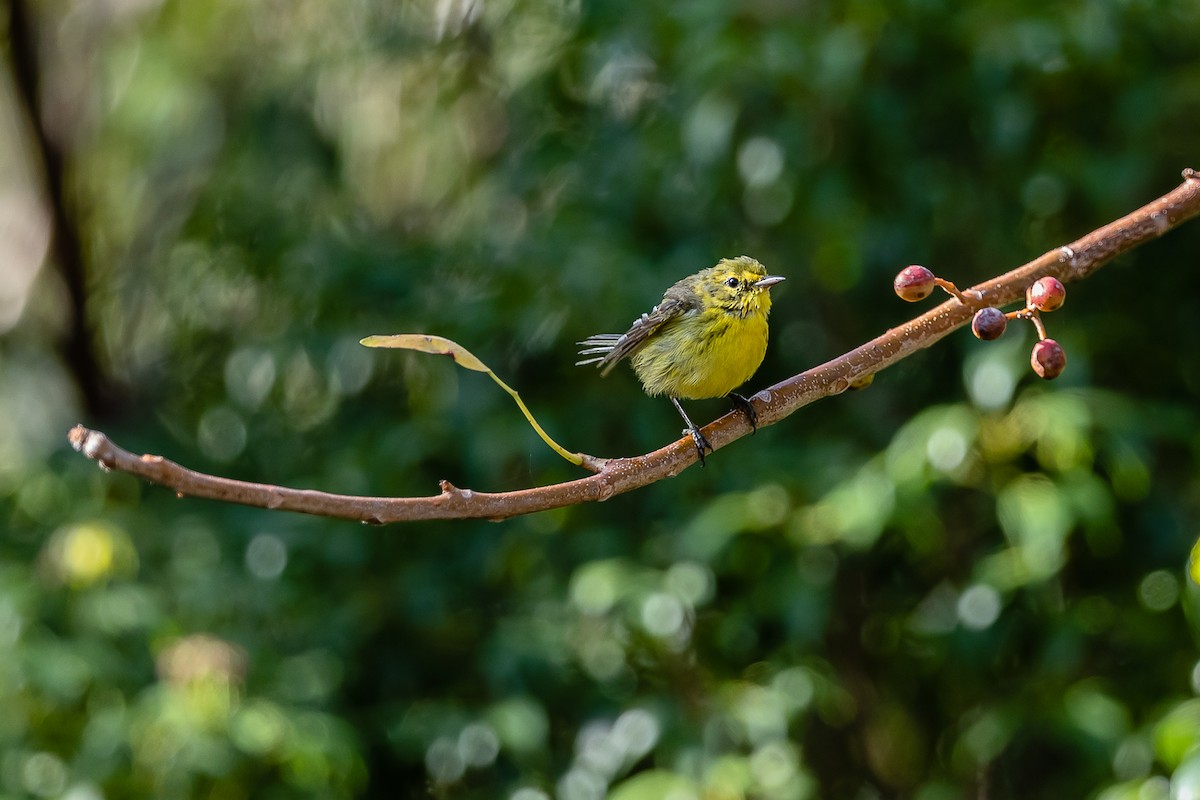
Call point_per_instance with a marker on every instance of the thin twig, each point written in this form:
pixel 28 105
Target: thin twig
pixel 618 475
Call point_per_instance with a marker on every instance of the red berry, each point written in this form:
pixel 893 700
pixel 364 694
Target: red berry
pixel 914 283
pixel 1048 359
pixel 1046 294
pixel 989 323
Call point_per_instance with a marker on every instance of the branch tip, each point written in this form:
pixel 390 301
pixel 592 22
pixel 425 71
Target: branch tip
pixel 88 442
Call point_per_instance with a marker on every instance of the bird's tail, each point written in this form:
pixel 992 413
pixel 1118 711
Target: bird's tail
pixel 599 347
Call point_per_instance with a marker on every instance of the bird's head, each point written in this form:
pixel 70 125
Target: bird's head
pixel 738 285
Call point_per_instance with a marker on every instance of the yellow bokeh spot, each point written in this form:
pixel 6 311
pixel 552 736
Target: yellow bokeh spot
pixel 89 552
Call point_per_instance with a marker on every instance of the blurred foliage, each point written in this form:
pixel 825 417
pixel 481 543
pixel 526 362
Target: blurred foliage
pixel 959 583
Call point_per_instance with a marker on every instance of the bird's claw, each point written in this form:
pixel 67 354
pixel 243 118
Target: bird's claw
pixel 701 443
pixel 747 408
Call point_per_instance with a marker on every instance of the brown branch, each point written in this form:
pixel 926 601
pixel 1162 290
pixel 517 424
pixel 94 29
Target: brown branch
pixel 618 475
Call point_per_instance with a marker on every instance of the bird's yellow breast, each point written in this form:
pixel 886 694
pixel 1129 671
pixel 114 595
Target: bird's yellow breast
pixel 705 353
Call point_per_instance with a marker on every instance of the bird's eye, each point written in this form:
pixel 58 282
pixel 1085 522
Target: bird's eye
pixel 732 283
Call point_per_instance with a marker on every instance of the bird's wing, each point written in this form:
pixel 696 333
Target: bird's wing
pixel 607 349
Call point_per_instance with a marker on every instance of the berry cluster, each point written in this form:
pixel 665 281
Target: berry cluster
pixel 1046 294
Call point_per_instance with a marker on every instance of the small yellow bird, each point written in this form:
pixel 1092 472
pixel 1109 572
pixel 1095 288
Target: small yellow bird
pixel 705 339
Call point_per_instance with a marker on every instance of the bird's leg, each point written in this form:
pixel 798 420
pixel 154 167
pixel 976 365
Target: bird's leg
pixel 697 437
pixel 743 403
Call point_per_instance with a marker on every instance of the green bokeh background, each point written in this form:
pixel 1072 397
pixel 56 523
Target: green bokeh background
pixel 961 583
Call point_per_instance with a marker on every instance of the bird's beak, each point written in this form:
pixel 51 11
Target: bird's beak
pixel 768 282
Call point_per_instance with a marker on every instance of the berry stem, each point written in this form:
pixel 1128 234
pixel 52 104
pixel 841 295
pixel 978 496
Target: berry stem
pixel 952 289
pixel 1033 316
pixel 1036 318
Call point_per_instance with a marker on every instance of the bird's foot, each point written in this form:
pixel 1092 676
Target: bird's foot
pixel 744 405
pixel 701 443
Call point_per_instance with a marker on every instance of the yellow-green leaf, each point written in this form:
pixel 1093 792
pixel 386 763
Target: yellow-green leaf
pixel 424 343
pixel 441 346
